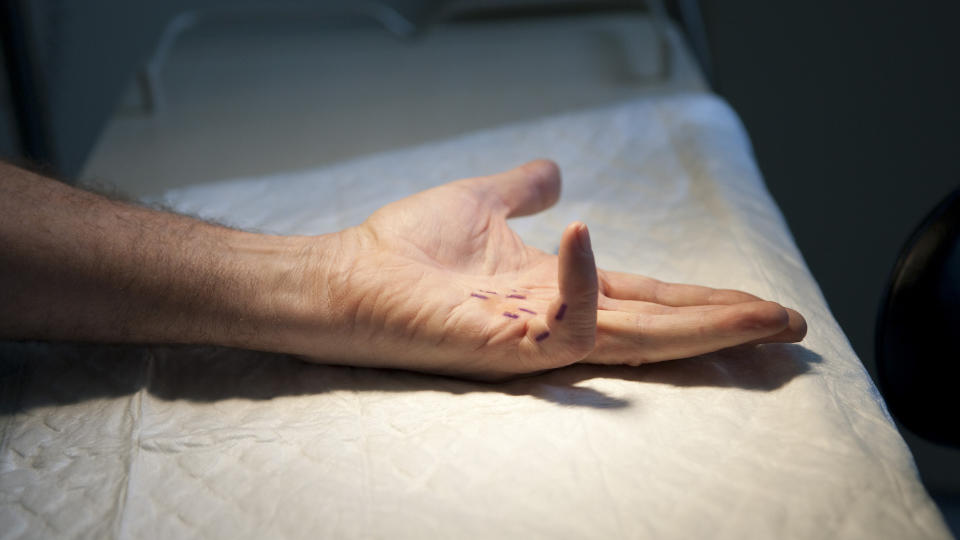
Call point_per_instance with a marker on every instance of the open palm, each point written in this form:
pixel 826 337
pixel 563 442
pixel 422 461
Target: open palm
pixel 438 282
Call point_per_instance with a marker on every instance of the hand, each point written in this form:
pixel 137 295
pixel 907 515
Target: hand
pixel 438 282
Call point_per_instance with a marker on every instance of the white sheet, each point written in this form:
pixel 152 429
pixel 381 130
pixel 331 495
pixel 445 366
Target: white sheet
pixel 785 441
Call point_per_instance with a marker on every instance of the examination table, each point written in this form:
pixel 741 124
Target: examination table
pixel 774 441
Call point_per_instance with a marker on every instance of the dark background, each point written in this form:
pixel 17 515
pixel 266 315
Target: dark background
pixel 852 111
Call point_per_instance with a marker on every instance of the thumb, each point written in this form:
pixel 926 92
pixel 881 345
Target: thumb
pixel 521 191
pixel 572 317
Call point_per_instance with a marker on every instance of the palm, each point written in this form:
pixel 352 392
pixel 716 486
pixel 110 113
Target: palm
pixel 455 268
pixel 456 291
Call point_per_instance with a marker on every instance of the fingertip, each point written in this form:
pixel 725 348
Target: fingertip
pixel 794 331
pixel 544 177
pixel 764 316
pixel 577 266
pixel 797 325
pixel 576 238
pixel 547 182
pixel 529 188
pixel 583 240
pixel 546 169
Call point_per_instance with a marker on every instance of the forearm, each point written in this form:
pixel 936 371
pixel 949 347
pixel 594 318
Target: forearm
pixel 78 266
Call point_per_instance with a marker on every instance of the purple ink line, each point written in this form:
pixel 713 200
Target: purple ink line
pixel 527 310
pixel 522 297
pixel 480 296
pixel 490 292
pixel 561 311
pixel 511 315
pixel 542 336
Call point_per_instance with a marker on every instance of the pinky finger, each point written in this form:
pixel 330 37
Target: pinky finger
pixel 570 327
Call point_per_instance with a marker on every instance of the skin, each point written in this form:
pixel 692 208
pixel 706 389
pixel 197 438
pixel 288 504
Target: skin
pixel 422 285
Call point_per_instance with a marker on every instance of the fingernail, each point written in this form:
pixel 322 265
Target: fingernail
pixel 583 235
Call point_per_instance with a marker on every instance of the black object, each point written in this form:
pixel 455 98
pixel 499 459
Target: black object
pixel 918 329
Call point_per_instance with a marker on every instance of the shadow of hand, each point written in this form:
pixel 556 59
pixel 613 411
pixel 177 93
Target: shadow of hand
pixel 61 374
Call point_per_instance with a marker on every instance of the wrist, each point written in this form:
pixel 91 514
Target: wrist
pixel 290 301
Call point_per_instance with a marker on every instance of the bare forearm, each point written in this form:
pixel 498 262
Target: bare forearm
pixel 78 266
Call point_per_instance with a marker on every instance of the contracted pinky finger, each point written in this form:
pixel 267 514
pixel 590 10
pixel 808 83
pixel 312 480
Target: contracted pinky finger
pixel 637 338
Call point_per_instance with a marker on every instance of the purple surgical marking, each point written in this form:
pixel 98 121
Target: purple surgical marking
pixel 511 315
pixel 480 296
pixel 490 292
pixel 530 311
pixel 560 312
pixel 542 336
pixel 520 296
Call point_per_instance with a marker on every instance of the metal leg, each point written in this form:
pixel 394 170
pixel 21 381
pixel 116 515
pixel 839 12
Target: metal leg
pixel 27 89
pixel 148 80
pixel 663 40
pixel 697 32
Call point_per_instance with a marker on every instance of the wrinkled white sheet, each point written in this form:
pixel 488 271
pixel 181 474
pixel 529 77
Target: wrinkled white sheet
pixel 785 441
